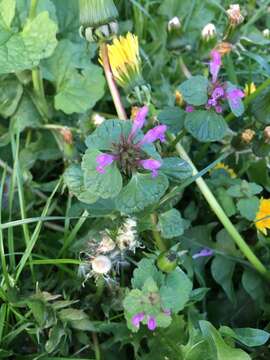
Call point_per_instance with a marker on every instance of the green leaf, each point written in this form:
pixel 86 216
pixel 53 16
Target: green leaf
pixel 226 201
pixel 7 11
pixel 171 224
pixel 206 126
pixel 73 178
pixel 249 207
pixel 25 116
pixel 176 291
pixel 10 96
pixel 24 50
pixel 253 285
pixel 248 336
pixel 245 189
pixel 260 107
pixel 146 268
pixel 223 351
pixel 173 117
pixel 142 190
pixel 79 92
pixel 222 270
pixel 176 168
pixel 55 336
pixel 108 133
pixel 194 90
pixel 106 185
pixel 77 319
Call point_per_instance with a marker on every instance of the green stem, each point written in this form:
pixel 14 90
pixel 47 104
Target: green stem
pixel 156 235
pixel 33 9
pixel 111 83
pixel 217 209
pixel 251 97
pixel 96 346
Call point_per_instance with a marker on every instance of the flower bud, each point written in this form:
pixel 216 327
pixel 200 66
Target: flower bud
pixel 267 133
pixel 247 136
pixel 234 15
pixel 98 19
pixel 266 33
pixel 209 32
pixel 179 100
pixel 174 24
pixel 167 261
pixel 67 135
pixel 101 265
pixel 97 119
pixel 223 48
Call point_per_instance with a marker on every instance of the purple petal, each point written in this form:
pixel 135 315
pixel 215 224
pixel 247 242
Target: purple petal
pixel 151 323
pixel 189 108
pixel 104 160
pixel 157 133
pixel 235 95
pixel 218 92
pixel 219 109
pixel 139 121
pixel 215 64
pixel 137 319
pixel 203 253
pixel 152 165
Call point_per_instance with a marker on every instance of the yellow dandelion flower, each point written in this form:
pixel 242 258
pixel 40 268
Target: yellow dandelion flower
pixel 179 98
pixel 250 89
pixel 225 167
pixel 125 61
pixel 262 220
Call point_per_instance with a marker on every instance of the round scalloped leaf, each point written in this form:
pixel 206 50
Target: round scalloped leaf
pixel 206 126
pixel 106 185
pixel 194 90
pixel 142 190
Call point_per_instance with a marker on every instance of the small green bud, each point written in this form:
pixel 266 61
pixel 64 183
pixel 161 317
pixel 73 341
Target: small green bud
pixel 167 261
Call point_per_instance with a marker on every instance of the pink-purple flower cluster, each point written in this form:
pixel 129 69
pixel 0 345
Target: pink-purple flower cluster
pixel 132 151
pixel 151 320
pixel 218 91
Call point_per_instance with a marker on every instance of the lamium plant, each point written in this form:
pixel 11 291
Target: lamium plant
pixel 134 180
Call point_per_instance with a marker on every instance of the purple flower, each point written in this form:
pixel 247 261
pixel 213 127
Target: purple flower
pixel 235 95
pixel 218 92
pixel 157 133
pixel 151 323
pixel 152 165
pixel 137 319
pixel 219 109
pixel 203 253
pixel 215 64
pixel 104 160
pixel 189 108
pixel 139 121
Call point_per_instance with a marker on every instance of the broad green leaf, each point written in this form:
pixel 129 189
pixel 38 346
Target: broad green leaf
pixel 226 201
pixel 194 90
pixel 223 351
pixel 253 285
pixel 10 96
pixel 206 126
pixel 249 207
pixel 222 270
pixel 108 133
pixel 7 11
pixel 247 336
pixel 176 168
pixel 79 92
pixel 176 291
pixel 55 335
pixel 245 189
pixel 23 7
pixel 25 116
pixel 171 224
pixel 73 178
pixel 146 268
pixel 142 190
pixel 173 117
pixel 106 185
pixel 24 50
pixel 260 107
pixel 77 319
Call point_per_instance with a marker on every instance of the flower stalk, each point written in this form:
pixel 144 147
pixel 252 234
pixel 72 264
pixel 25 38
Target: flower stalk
pixel 228 225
